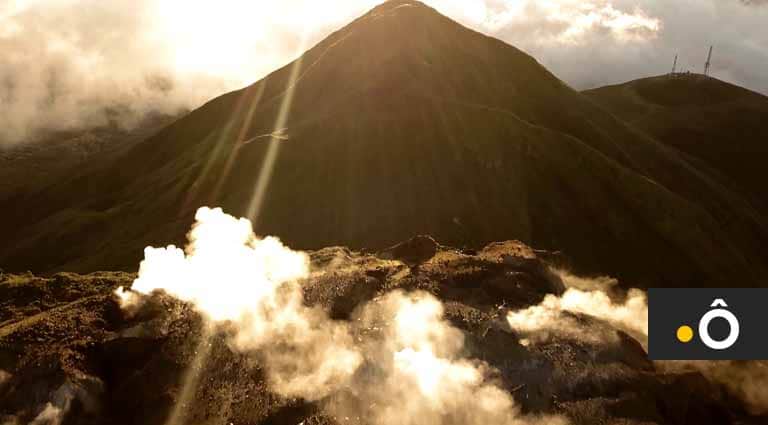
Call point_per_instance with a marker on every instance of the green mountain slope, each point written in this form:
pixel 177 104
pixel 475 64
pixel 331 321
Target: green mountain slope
pixel 404 123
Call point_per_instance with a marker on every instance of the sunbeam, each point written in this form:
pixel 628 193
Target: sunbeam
pixel 267 166
pixel 222 138
pixel 192 377
pixel 240 141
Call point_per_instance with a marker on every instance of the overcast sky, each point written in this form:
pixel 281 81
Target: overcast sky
pixel 63 61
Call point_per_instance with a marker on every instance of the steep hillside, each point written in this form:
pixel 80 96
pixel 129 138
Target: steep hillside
pixel 403 123
pixel 717 124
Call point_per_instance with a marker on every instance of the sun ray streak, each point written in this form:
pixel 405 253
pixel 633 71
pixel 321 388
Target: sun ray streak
pixel 241 140
pixel 222 136
pixel 268 164
pixel 192 377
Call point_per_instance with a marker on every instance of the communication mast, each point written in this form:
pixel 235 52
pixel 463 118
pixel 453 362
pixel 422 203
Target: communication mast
pixel 674 67
pixel 709 62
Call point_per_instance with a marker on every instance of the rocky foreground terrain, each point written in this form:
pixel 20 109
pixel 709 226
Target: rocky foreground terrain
pixel 70 354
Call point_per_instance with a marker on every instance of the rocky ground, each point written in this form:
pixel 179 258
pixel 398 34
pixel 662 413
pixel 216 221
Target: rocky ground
pixel 69 353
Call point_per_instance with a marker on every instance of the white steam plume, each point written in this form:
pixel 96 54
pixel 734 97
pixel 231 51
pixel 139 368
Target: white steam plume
pixel 55 411
pixel 397 362
pixel 230 276
pixel 748 381
pixel 585 297
pixel 415 372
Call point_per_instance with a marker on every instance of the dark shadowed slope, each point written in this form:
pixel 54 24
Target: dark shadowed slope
pixel 404 123
pixel 723 126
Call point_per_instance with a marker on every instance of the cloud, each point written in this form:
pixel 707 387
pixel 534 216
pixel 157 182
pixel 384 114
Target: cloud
pixel 68 64
pixel 71 64
pixel 571 22
pixel 754 2
pixel 597 42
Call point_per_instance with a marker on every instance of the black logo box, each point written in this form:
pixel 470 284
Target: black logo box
pixel 670 308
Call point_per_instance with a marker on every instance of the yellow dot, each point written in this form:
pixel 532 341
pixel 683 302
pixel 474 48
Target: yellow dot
pixel 684 333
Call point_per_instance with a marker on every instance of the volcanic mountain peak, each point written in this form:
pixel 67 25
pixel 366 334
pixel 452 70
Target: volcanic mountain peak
pixel 391 5
pixel 402 123
pixel 408 46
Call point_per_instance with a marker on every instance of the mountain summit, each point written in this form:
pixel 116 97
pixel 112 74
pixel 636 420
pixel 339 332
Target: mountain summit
pixel 401 123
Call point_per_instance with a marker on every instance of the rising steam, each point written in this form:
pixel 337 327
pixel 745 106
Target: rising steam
pixel 396 362
pixel 230 276
pixel 556 317
pixel 415 372
pixel 54 412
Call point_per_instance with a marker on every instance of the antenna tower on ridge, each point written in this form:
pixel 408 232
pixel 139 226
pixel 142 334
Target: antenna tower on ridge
pixel 674 67
pixel 709 62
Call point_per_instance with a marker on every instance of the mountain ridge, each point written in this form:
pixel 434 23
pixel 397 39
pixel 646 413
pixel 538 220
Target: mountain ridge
pixel 717 124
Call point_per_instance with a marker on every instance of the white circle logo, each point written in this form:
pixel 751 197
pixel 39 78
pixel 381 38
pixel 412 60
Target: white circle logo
pixel 733 323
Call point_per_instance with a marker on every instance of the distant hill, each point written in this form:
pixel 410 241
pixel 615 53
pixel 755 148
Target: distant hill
pixel 719 125
pixel 35 164
pixel 401 123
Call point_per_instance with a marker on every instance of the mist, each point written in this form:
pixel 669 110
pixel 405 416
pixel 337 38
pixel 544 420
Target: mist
pixel 72 64
pixel 556 316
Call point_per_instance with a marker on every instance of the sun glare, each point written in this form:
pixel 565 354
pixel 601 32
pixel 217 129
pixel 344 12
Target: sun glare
pixel 241 39
pixel 210 37
pixel 217 37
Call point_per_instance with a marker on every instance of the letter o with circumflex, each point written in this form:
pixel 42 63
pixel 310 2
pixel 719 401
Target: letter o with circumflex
pixel 733 322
